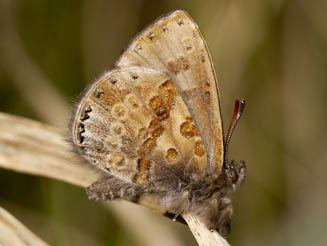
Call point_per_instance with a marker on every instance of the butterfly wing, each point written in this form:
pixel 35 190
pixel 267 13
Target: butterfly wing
pixel 132 119
pixel 174 44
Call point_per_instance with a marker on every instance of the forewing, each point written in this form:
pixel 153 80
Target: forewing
pixel 132 119
pixel 175 45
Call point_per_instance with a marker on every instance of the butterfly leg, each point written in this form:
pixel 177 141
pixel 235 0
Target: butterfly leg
pixel 218 215
pixel 241 171
pixel 110 187
pixel 225 216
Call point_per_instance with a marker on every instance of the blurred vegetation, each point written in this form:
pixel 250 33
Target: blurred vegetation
pixel 271 52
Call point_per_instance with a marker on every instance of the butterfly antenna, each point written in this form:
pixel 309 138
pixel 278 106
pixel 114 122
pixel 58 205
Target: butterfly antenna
pixel 238 110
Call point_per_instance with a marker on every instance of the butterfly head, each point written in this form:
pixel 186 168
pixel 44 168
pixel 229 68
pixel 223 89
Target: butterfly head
pixel 235 173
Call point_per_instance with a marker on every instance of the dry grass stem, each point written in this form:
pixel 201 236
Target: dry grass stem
pixel 31 147
pixel 203 236
pixel 15 233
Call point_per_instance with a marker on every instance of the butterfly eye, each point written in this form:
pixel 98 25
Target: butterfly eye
pixel 233 176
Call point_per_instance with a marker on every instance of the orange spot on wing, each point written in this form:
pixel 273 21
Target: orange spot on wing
pixel 162 104
pixel 188 128
pixel 171 155
pixel 157 132
pixel 159 108
pixel 199 149
pixel 154 123
pixel 147 146
pixel 143 166
pixel 168 92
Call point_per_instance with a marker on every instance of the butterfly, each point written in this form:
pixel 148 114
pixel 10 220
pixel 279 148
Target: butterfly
pixel 152 125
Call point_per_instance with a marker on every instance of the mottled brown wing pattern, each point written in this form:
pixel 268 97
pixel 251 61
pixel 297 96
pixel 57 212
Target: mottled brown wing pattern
pixel 175 45
pixel 153 126
pixel 132 117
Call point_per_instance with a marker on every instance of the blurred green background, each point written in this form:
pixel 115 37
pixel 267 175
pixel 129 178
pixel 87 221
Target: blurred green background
pixel 270 52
